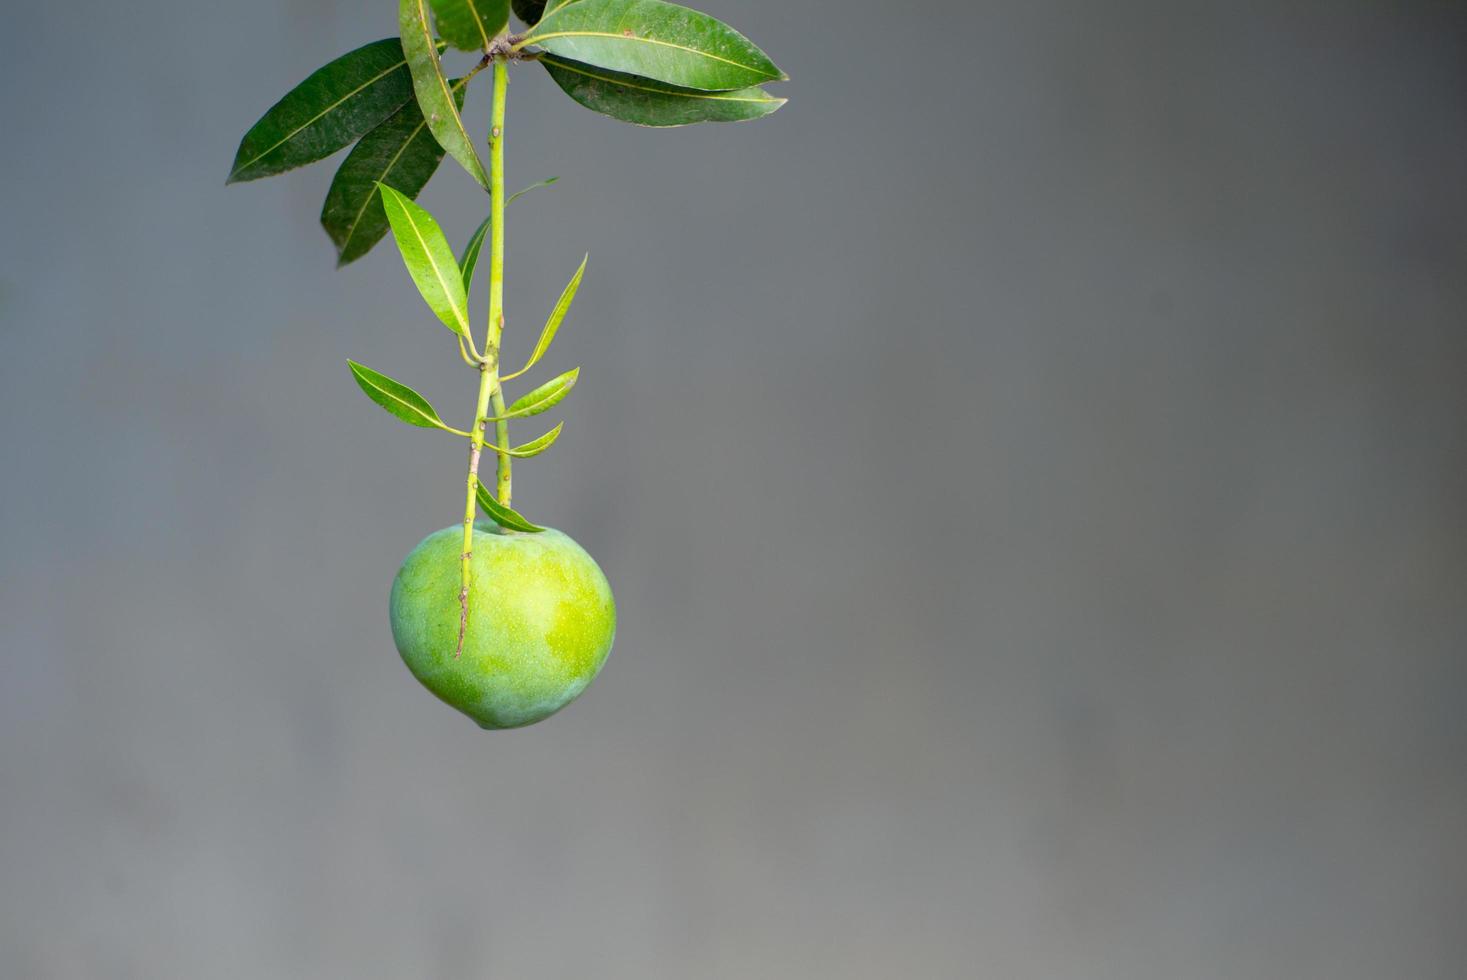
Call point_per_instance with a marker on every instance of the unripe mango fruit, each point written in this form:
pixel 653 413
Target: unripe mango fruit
pixel 541 622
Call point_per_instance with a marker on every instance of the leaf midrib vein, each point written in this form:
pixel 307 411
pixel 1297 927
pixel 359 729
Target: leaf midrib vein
pixel 716 96
pixel 478 21
pixel 644 40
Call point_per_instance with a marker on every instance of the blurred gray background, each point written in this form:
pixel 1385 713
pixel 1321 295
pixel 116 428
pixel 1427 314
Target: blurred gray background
pixel 1031 467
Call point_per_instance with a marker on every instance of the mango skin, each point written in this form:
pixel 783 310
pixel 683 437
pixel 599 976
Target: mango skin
pixel 541 622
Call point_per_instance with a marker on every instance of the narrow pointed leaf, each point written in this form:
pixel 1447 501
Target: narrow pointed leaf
pixel 432 89
pixel 429 259
pixel 532 448
pixel 397 398
pixel 545 397
pixel 400 153
pixel 654 39
pixel 500 514
pixel 470 25
pixel 645 102
pixel 334 106
pixel 547 182
pixel 552 325
pixel 470 257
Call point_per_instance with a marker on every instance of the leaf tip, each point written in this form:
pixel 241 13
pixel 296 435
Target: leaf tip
pixel 236 168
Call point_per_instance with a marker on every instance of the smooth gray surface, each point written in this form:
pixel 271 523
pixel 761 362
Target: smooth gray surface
pixel 1030 465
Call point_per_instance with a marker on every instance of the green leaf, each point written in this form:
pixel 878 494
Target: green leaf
pixel 432 88
pixel 470 257
pixel 429 259
pixel 532 448
pixel 397 398
pixel 645 102
pixel 528 11
pixel 334 106
pixel 656 40
pixel 470 25
pixel 501 514
pixel 400 153
pixel 545 397
pixel 548 181
pixel 552 325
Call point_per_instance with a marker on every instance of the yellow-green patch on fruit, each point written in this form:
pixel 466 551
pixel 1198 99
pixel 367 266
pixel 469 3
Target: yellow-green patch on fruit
pixel 541 622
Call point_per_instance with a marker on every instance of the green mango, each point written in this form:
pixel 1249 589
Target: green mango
pixel 541 620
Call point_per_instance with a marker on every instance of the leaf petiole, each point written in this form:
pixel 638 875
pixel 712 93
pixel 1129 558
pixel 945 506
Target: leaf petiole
pixel 471 354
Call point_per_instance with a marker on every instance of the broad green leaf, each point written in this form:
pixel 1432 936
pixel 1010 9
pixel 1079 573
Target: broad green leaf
pixel 432 90
pixel 470 25
pixel 552 325
pixel 397 398
pixel 545 397
pixel 548 181
pixel 645 102
pixel 532 448
pixel 654 39
pixel 400 153
pixel 429 259
pixel 528 11
pixel 334 106
pixel 470 257
pixel 502 515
